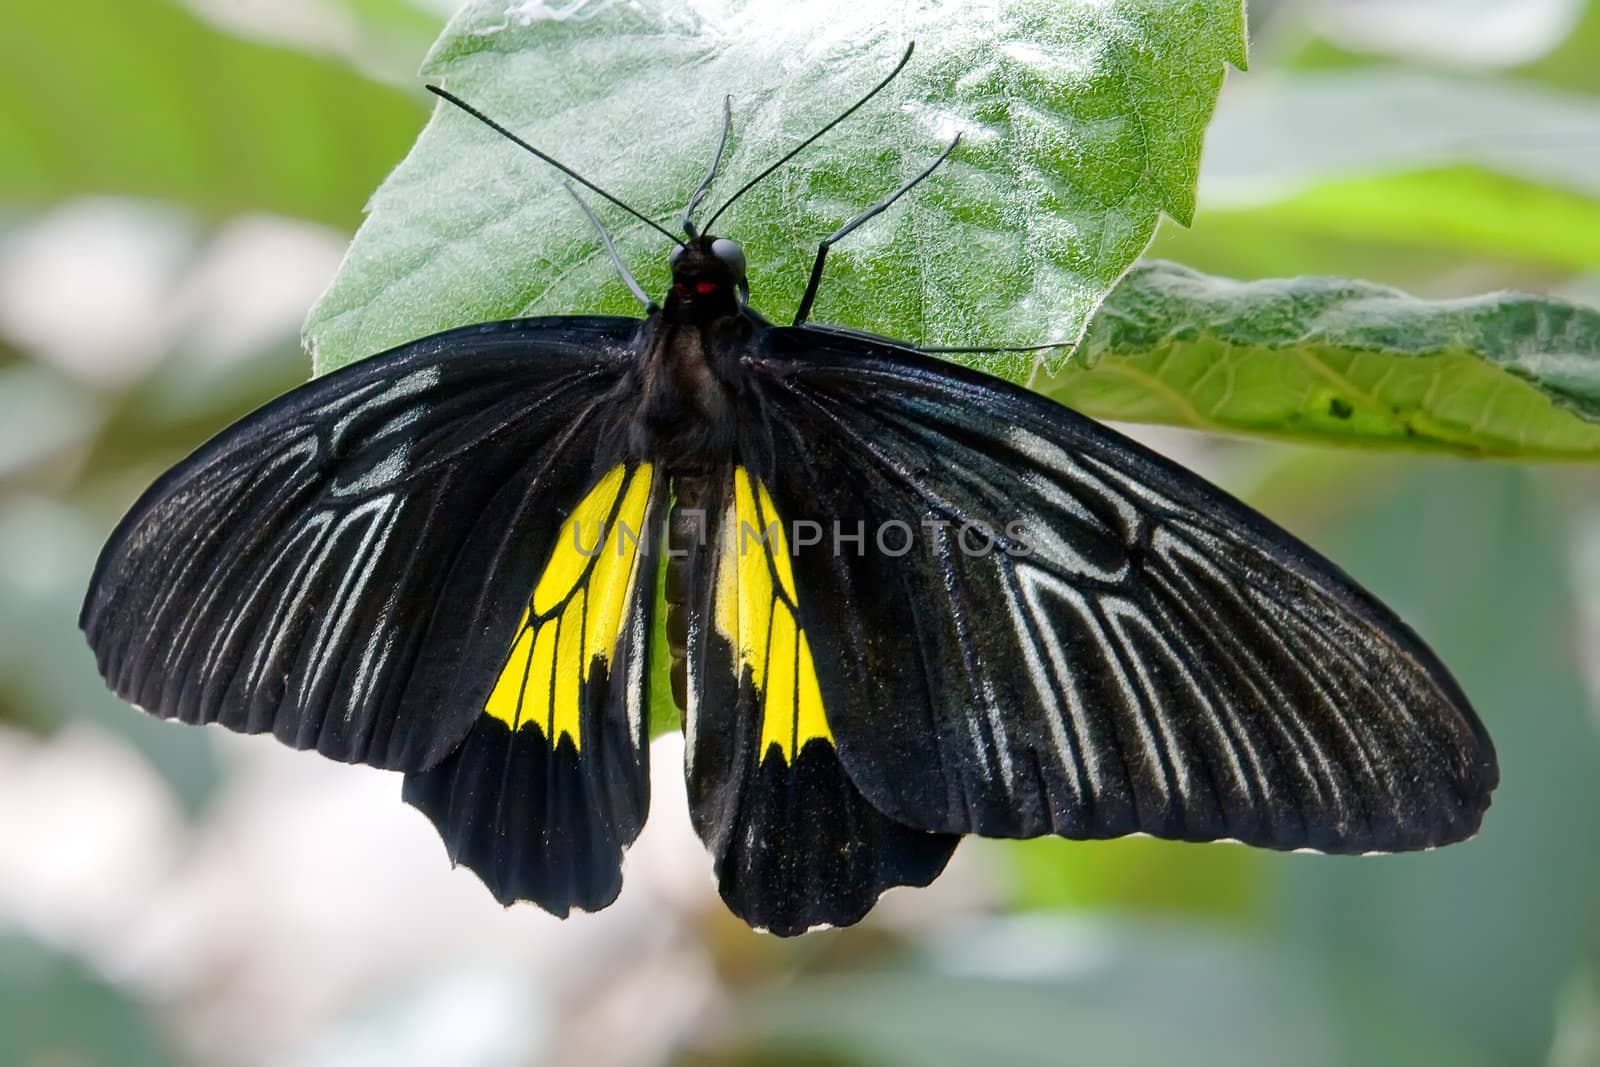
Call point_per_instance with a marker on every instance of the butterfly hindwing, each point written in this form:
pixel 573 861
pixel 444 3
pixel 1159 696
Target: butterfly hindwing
pixel 552 781
pixel 1060 632
pixel 795 844
pixel 340 567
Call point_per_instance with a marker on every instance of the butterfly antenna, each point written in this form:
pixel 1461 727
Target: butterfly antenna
pixel 556 163
pixel 876 209
pixel 611 249
pixel 711 172
pixel 803 145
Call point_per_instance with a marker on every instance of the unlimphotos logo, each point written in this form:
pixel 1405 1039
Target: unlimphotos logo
pixel 894 538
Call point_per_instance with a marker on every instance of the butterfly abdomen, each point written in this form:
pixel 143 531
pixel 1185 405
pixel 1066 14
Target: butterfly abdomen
pixel 686 549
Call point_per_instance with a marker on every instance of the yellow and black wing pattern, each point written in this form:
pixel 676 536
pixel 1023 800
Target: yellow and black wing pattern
pixel 925 603
pixel 551 783
pixel 1023 623
pixel 794 843
pixel 377 566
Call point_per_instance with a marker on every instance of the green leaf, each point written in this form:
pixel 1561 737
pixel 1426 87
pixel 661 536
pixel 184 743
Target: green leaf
pixel 140 97
pixel 1082 123
pixel 1330 360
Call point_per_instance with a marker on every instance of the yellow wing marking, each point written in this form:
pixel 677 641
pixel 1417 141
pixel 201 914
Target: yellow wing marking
pixel 780 543
pixel 577 609
pixel 759 617
pixel 579 534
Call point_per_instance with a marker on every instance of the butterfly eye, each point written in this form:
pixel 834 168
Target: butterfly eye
pixel 730 254
pixel 677 256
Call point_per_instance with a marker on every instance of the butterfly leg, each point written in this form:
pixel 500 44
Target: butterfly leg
pixel 833 238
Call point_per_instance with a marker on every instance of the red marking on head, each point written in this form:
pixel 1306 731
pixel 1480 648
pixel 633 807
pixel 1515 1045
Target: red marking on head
pixel 706 288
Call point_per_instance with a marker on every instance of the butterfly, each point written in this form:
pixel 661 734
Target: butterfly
pixel 905 602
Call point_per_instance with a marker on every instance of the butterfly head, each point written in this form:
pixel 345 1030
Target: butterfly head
pixel 708 278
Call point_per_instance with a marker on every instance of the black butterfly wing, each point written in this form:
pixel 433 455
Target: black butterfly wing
pixel 339 567
pixel 346 568
pixel 1141 653
pixel 551 783
pixel 794 842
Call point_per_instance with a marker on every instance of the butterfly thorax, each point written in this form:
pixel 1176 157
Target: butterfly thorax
pixel 689 375
pixel 685 392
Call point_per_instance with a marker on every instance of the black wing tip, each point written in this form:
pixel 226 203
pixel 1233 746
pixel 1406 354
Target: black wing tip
pixel 559 897
pixel 827 910
pixel 1474 792
pixel 789 923
pixel 108 642
pixel 89 615
pixel 1462 792
pixel 808 851
pixel 523 817
pixel 554 896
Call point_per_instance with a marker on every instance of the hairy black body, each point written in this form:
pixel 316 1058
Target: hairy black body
pixel 687 390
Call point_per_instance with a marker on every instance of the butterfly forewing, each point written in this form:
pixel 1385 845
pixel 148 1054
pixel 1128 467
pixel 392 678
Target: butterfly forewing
pixel 339 567
pixel 1025 624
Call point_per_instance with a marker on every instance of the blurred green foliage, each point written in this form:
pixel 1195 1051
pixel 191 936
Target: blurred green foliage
pixel 54 1013
pixel 1136 951
pixel 147 99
